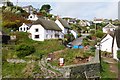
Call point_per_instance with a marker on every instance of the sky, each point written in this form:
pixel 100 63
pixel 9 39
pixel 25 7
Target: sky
pixel 81 9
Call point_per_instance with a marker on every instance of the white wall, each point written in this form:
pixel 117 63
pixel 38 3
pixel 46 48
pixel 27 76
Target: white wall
pixel 106 44
pixel 50 34
pixel 105 30
pixel 23 28
pixel 115 48
pixel 74 33
pixel 32 17
pixel 97 21
pixel 64 30
pixel 40 32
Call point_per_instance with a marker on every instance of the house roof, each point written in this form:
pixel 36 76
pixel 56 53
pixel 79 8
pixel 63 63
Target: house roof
pixel 47 24
pixel 98 19
pixel 77 41
pixel 117 34
pixel 110 26
pixel 109 33
pixel 64 23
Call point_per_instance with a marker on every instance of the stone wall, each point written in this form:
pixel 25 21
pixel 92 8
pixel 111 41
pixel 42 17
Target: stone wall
pixel 85 70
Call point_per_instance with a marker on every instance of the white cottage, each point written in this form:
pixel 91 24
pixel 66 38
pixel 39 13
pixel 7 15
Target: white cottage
pixel 97 20
pixel 42 29
pixel 32 17
pixel 63 25
pixel 24 27
pixel 109 27
pixel 106 43
pixel 111 43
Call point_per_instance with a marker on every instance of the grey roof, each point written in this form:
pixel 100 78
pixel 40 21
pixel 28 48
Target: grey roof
pixel 110 26
pixel 47 24
pixel 77 41
pixel 64 23
pixel 117 34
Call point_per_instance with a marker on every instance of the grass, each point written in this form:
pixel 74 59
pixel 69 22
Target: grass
pixel 106 74
pixel 11 70
pixel 70 55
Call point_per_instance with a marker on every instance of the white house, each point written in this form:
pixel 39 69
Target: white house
pixel 106 43
pixel 42 29
pixel 74 33
pixel 97 20
pixel 109 27
pixel 63 25
pixel 33 17
pixel 111 43
pixel 24 27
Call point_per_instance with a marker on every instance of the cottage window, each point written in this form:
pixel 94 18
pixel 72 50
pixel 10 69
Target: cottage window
pixel 21 29
pixel 37 36
pixel 24 29
pixel 36 30
pixel 27 28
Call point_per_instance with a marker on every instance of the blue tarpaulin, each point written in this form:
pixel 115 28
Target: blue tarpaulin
pixel 77 46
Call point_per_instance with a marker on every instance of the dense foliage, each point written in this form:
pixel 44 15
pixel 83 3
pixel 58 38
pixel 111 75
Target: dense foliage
pixel 118 54
pixel 45 8
pixel 24 50
pixel 99 34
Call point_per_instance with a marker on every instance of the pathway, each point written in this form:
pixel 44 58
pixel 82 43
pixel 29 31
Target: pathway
pixel 113 65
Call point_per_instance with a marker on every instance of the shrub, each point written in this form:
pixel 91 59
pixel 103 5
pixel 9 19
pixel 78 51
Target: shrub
pixel 25 50
pixel 99 34
pixel 118 55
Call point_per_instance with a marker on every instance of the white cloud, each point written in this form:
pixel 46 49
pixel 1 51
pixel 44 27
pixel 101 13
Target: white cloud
pixel 83 9
pixel 86 10
pixel 65 0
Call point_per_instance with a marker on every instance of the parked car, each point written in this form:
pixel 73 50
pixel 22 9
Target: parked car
pixel 69 45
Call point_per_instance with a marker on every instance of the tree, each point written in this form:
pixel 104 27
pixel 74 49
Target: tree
pixel 46 8
pixel 99 34
pixel 25 50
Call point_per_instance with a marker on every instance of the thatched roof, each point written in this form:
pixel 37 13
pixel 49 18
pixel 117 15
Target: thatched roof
pixel 47 24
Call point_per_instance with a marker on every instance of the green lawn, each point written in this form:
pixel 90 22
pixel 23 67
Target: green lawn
pixel 9 51
pixel 10 70
pixel 70 55
pixel 106 74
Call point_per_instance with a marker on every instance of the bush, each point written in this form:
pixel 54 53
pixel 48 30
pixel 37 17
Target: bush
pixel 24 50
pixel 118 55
pixel 99 34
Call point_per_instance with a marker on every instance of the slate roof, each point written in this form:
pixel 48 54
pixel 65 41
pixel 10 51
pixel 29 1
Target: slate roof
pixel 47 24
pixel 117 34
pixel 77 41
pixel 64 23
